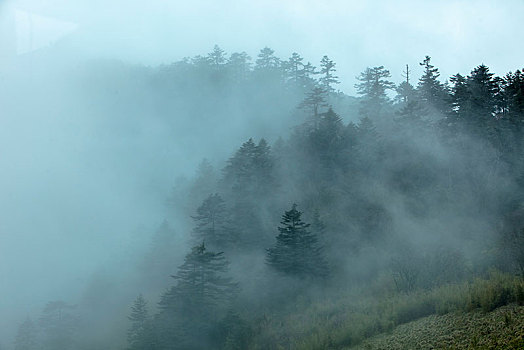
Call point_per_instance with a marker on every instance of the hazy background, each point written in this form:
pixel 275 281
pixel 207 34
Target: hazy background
pixel 77 187
pixel 354 34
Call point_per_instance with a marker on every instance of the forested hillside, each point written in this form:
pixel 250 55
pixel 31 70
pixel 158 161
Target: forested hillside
pixel 337 219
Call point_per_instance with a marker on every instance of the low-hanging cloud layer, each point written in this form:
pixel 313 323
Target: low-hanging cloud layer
pixel 355 34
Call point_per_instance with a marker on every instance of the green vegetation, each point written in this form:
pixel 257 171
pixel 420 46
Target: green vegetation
pixel 347 320
pixel 499 329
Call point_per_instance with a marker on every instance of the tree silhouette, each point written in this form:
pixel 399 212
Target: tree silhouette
pixel 296 251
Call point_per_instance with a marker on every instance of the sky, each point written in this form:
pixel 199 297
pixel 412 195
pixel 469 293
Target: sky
pixel 40 168
pixel 458 35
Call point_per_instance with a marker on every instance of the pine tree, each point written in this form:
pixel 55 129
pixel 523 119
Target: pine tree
pixel 296 251
pixel 328 146
pixel 297 73
pixel 202 282
pixel 213 223
pixel 482 88
pixel 264 168
pixel 294 68
pixel 250 170
pixel 201 295
pixel 475 101
pixel 266 60
pixel 373 88
pixel 307 80
pixel 217 58
pixel 140 334
pixel 410 113
pixel 405 91
pixel 460 98
pixel 239 66
pixel 514 97
pixel 327 75
pixel 26 336
pixel 239 171
pixel 431 91
pixel 314 100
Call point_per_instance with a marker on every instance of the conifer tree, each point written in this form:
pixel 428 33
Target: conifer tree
pixel 460 102
pixel 328 145
pixel 314 100
pixel 267 60
pixel 200 296
pixel 410 112
pixel 327 75
pixel 405 91
pixel 238 173
pixel 294 68
pixel 514 97
pixel 263 168
pixel 298 73
pixel 296 251
pixel 307 80
pixel 239 66
pixel 213 223
pixel 217 58
pixel 482 89
pixel 250 170
pixel 373 88
pixel 140 334
pixel 202 279
pixel 432 93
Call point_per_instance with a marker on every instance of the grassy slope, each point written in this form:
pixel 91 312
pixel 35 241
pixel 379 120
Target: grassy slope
pixel 502 328
pixel 351 320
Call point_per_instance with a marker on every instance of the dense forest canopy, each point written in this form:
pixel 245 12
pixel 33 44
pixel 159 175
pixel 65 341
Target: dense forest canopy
pixel 405 188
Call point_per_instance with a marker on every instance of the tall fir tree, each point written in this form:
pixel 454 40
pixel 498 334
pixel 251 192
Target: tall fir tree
pixel 266 60
pixel 410 112
pixel 200 297
pixel 405 90
pixel 296 251
pixel 314 101
pixel 239 66
pixel 328 147
pixel 514 97
pixel 217 58
pixel 373 88
pixel 264 165
pixel 431 92
pixel 328 78
pixel 212 222
pixel 239 171
pixel 140 335
pixel 294 68
pixel 482 93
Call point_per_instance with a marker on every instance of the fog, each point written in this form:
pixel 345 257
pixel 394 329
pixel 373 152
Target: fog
pixel 358 34
pixel 98 147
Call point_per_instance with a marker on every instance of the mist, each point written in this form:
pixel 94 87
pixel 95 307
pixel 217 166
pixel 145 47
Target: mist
pixel 117 128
